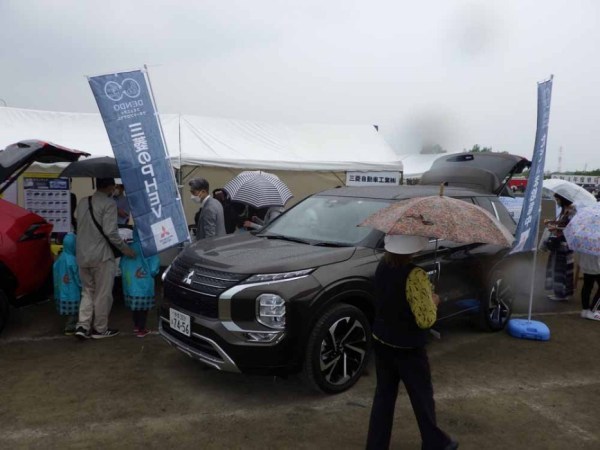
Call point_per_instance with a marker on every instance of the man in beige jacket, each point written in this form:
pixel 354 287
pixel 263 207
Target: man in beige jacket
pixel 97 267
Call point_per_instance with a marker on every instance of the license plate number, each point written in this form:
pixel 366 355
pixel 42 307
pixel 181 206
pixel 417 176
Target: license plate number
pixel 179 322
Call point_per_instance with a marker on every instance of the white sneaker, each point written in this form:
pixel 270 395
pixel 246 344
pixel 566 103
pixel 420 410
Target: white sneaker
pixel 583 314
pixel 592 315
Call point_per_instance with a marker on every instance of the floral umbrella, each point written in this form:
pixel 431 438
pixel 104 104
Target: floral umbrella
pixel 441 217
pixel 583 231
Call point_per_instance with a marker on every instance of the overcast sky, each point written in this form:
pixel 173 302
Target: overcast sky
pixel 451 72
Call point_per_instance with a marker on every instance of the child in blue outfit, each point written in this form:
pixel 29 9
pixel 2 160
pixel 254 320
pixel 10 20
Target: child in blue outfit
pixel 67 285
pixel 138 284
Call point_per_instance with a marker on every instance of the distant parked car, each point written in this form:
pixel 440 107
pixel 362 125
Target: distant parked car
pixel 25 257
pixel 298 295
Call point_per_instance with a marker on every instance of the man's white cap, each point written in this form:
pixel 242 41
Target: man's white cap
pixel 404 244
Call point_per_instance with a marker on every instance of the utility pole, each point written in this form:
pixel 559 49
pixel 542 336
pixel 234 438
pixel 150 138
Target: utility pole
pixel 560 159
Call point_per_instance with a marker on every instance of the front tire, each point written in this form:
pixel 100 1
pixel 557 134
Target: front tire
pixel 337 349
pixel 496 303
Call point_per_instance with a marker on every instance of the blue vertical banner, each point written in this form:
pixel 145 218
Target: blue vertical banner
pixel 526 234
pixel 128 110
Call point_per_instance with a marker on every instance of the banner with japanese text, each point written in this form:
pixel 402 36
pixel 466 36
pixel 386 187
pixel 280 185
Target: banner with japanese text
pixel 526 234
pixel 371 178
pixel 128 110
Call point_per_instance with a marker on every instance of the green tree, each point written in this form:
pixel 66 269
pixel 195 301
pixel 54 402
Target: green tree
pixel 588 173
pixel 477 149
pixel 432 149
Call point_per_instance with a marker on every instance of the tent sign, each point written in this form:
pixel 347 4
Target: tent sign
pixel 385 178
pixel 127 108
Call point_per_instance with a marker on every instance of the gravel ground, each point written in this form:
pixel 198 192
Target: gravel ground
pixel 492 392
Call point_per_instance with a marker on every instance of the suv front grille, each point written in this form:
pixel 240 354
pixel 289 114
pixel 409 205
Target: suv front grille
pixel 197 288
pixel 198 344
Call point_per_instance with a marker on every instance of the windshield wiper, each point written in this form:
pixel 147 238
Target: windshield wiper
pixel 283 238
pixel 330 244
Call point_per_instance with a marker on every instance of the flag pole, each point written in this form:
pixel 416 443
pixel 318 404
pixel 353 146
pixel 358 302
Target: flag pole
pixel 535 252
pixel 180 166
pixel 527 233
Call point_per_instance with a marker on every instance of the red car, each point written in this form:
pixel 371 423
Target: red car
pixel 25 257
pixel 518 184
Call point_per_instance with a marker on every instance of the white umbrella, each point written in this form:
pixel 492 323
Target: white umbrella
pixel 258 189
pixel 571 191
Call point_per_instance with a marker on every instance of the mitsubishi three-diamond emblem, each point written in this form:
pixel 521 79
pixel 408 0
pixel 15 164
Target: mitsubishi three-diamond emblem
pixel 188 278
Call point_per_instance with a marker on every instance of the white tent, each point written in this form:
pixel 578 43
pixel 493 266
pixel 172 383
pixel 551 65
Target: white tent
pixel 260 145
pixel 307 157
pixel 417 164
pixel 217 142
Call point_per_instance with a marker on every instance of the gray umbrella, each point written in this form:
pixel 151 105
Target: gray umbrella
pixel 258 189
pixel 102 167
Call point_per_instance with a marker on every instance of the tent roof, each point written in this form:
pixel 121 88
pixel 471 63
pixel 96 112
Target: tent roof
pixel 218 142
pixel 416 165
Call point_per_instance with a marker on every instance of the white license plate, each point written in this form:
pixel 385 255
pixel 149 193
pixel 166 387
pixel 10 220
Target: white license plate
pixel 179 322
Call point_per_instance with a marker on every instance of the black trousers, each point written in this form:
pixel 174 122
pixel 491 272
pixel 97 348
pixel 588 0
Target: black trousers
pixel 586 290
pixel 411 366
pixel 139 319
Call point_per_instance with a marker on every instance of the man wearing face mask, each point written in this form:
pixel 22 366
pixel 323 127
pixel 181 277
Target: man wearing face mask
pixel 211 221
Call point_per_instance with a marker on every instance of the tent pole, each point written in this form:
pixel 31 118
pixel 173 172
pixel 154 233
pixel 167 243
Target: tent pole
pixel 339 179
pixel 162 133
pixel 180 167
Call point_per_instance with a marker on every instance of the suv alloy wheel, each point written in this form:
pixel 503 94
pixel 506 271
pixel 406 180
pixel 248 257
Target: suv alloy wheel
pixel 337 349
pixel 496 304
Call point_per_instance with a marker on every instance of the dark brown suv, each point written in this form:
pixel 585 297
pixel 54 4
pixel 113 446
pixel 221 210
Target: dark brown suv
pixel 298 295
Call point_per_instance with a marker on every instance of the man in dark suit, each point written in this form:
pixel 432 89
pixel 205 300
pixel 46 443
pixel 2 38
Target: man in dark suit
pixel 210 220
pixel 231 217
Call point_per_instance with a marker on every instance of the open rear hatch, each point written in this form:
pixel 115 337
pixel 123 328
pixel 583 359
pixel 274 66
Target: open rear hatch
pixel 16 158
pixel 487 171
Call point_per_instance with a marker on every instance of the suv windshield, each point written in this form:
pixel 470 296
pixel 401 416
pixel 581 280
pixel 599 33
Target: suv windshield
pixel 325 219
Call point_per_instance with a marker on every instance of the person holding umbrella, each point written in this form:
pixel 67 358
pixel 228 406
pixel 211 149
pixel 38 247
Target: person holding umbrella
pixel 259 190
pixel 583 237
pixel 97 235
pixel 256 223
pixel 405 309
pixel 405 306
pixel 559 269
pixel 590 267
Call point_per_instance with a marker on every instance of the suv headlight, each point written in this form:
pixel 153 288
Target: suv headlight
pixel 270 311
pixel 165 273
pixel 262 277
